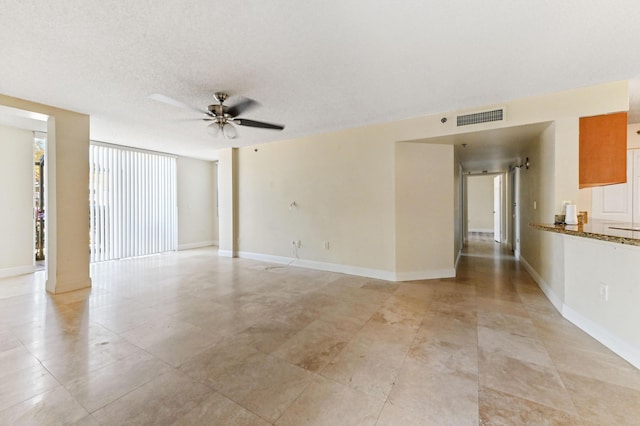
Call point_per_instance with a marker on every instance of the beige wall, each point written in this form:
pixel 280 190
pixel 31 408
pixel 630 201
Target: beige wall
pixel 342 186
pixel 16 201
pixel 458 208
pixel 542 251
pixel 425 216
pixel 480 203
pixel 345 190
pixel 197 213
pixel 67 206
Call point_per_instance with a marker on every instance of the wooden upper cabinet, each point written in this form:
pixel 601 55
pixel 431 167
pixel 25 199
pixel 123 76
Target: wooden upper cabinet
pixel 603 150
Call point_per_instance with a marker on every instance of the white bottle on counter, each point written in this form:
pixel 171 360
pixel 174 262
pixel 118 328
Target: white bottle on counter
pixel 571 214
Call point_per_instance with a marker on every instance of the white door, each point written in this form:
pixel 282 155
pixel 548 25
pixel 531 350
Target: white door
pixel 497 217
pixel 635 184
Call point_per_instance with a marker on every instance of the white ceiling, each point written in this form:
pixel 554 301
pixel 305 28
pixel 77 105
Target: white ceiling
pixel 314 66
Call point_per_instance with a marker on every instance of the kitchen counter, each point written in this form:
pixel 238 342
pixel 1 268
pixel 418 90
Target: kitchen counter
pixel 598 230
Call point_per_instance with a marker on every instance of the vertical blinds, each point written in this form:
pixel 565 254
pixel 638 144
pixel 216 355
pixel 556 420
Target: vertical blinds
pixel 133 204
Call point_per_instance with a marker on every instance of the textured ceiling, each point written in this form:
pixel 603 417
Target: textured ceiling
pixel 314 66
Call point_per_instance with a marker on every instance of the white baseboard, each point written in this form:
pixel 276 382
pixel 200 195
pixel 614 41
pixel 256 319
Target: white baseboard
pixel 546 288
pixel 617 345
pixel 482 230
pixel 431 274
pixel 322 266
pixel 199 244
pixel 516 254
pixel 227 253
pixel 17 270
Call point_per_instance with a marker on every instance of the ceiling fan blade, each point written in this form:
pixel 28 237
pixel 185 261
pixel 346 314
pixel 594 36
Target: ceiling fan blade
pixel 173 102
pixel 243 106
pixel 260 124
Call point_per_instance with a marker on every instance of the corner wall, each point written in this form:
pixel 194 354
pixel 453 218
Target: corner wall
pixel 425 211
pixel 197 209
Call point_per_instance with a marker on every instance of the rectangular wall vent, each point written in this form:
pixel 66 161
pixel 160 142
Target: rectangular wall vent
pixel 481 117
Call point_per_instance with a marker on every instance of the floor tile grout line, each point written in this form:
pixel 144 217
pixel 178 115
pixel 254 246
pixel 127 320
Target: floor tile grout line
pixel 415 337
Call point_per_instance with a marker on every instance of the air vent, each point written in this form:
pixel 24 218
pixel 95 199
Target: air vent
pixel 481 117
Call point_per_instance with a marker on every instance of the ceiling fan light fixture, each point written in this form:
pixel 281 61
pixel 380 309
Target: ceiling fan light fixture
pixel 213 129
pixel 229 131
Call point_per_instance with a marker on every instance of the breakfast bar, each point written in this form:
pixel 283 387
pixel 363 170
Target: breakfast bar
pixel 601 277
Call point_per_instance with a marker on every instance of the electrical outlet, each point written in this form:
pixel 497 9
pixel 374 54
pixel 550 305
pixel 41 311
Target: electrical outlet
pixel 326 245
pixel 604 292
pixel 298 244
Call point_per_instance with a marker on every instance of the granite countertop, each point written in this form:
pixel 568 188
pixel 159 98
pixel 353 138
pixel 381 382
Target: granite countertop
pixel 597 229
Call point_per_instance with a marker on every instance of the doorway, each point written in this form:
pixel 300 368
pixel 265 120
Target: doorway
pixel 39 143
pixel 485 206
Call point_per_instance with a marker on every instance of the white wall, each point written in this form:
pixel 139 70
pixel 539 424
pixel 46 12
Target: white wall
pixel 614 320
pixel 425 217
pixel 480 203
pixel 633 138
pixel 197 213
pixel 16 201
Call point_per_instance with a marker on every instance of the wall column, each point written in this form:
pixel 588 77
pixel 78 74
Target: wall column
pixel 67 203
pixel 228 202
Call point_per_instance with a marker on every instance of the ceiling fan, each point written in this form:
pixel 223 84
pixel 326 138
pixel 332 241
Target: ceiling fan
pixel 223 117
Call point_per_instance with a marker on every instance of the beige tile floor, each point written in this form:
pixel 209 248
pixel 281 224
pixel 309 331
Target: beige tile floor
pixel 189 338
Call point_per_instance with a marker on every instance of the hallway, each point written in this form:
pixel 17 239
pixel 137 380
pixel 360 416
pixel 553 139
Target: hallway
pixel 191 338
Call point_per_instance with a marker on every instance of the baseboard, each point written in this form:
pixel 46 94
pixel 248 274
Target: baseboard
pixel 516 254
pixel 455 266
pixel 321 266
pixel 546 288
pixel 431 274
pixel 197 245
pixel 617 345
pixel 17 270
pixel 620 347
pixel 227 253
pixel 481 230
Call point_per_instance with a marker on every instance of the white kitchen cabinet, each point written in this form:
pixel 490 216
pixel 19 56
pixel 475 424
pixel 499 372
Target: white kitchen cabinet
pixel 616 202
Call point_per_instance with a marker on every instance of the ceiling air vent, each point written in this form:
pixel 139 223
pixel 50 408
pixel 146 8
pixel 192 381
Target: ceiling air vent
pixel 481 117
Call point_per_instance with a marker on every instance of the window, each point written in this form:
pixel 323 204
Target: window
pixel 132 199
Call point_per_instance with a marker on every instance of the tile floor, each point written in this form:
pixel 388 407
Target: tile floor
pixel 189 338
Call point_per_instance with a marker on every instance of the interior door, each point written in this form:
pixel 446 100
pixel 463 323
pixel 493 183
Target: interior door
pixel 497 216
pixel 636 185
